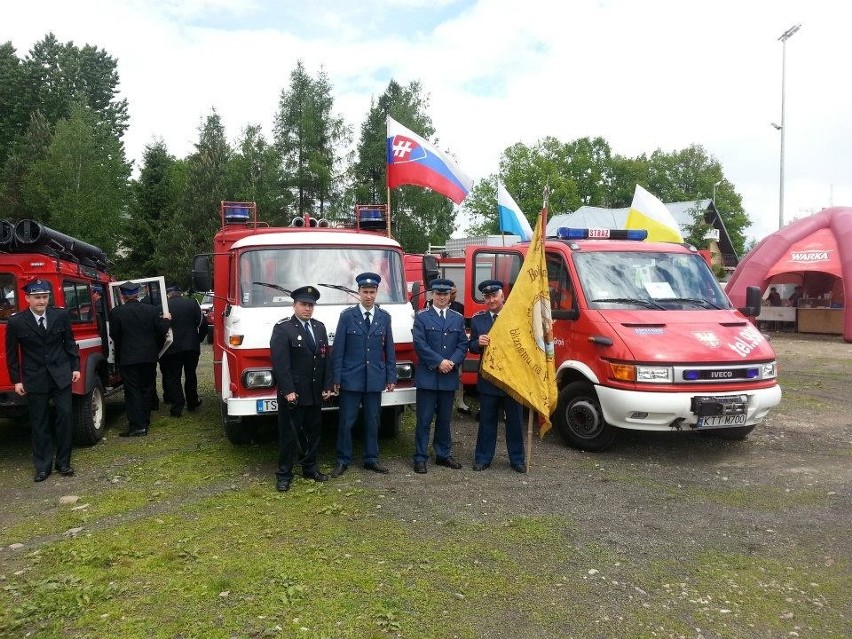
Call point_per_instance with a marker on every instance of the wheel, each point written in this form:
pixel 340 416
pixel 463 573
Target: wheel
pixel 89 416
pixel 239 431
pixel 740 432
pixel 579 418
pixel 390 421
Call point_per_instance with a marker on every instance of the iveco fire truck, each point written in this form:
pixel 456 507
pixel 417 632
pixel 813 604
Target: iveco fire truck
pixel 251 272
pixel 645 339
pixel 71 267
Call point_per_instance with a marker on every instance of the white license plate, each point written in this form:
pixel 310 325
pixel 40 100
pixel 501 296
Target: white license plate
pixel 721 421
pixel 267 406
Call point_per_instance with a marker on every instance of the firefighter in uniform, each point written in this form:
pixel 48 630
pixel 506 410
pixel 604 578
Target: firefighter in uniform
pixel 49 364
pixel 490 396
pixel 302 371
pixel 441 344
pixel 363 365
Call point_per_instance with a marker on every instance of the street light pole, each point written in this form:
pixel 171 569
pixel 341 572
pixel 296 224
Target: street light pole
pixel 715 184
pixel 784 37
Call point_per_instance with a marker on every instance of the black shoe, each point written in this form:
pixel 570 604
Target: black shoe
pixel 420 467
pixel 519 468
pixel 192 407
pixel 139 432
pixel 41 475
pixel 316 476
pixel 339 469
pixel 66 471
pixel 464 410
pixel 376 467
pixel 480 466
pixel 282 485
pixel 449 462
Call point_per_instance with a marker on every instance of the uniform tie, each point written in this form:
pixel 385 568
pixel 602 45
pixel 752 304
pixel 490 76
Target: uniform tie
pixel 441 312
pixel 311 341
pixel 367 319
pixel 41 324
pixel 494 317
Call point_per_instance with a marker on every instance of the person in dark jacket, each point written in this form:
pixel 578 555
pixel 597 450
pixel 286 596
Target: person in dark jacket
pixel 491 397
pixel 302 372
pixel 363 365
pixel 181 358
pixel 49 363
pixel 441 345
pixel 138 331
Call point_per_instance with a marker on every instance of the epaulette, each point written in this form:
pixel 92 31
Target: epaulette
pixel 479 312
pixel 423 310
pixel 286 319
pixel 454 311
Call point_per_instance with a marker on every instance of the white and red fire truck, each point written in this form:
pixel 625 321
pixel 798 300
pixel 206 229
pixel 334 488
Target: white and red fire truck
pixel 645 338
pixel 29 250
pixel 251 272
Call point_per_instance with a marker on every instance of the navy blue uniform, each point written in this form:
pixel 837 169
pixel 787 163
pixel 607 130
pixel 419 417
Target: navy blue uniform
pixel 48 357
pixel 490 399
pixel 363 365
pixel 434 341
pixel 181 358
pixel 299 368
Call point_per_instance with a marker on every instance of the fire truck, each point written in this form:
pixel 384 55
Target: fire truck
pixel 29 249
pixel 645 338
pixel 251 272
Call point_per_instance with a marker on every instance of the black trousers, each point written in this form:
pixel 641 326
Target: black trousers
pixel 42 437
pixel 140 389
pixel 173 367
pixel 299 430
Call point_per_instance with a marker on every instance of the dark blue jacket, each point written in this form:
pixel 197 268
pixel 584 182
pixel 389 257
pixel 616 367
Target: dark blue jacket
pixel 436 340
pixel 296 367
pixel 361 360
pixel 480 324
pixel 44 354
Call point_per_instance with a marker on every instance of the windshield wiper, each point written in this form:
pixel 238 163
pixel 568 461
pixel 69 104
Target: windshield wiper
pixel 631 300
pixel 692 300
pixel 275 286
pixel 340 287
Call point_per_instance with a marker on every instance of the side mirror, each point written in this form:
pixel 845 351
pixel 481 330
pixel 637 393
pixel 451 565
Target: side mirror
pixel 430 269
pixel 202 279
pixel 415 295
pixel 753 301
pixel 565 314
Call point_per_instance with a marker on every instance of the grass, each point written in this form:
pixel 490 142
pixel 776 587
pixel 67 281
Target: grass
pixel 185 537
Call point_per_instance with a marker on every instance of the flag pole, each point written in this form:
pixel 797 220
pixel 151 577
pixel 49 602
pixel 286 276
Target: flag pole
pixel 389 212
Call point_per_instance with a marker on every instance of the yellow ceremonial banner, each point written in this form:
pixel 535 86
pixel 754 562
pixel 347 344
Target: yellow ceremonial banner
pixel 519 358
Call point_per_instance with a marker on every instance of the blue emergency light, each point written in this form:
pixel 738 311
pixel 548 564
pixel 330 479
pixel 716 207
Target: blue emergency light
pixel 567 233
pixel 236 214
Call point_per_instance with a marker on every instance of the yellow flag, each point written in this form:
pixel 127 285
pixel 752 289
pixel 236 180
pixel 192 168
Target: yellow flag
pixel 648 212
pixel 519 358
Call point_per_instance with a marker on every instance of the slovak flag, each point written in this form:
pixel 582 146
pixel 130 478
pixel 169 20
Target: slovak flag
pixel 413 160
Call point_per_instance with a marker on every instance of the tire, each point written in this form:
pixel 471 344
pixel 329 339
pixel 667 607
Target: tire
pixel 239 431
pixel 580 420
pixel 390 421
pixel 89 416
pixel 733 434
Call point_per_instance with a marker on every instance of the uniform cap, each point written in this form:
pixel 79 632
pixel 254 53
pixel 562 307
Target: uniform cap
pixel 305 294
pixel 490 286
pixel 129 288
pixel 36 286
pixel 97 288
pixel 442 285
pixel 368 280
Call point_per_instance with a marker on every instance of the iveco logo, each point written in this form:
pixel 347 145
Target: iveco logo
pixel 721 374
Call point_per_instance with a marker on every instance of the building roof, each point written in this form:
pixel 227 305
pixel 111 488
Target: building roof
pixel 598 217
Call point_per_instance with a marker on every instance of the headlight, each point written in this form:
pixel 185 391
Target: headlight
pixel 647 374
pixel 404 370
pixel 258 379
pixel 769 370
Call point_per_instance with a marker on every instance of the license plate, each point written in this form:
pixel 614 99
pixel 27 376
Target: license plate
pixel 267 406
pixel 721 421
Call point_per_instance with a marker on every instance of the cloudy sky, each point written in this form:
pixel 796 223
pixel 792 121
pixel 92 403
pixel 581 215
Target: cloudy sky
pixel 643 74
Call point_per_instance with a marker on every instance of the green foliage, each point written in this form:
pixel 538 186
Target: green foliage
pixel 255 176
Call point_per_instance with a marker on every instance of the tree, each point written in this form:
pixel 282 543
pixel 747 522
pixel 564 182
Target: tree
pixel 80 186
pixel 255 176
pixel 307 136
pixel 13 113
pixel 419 216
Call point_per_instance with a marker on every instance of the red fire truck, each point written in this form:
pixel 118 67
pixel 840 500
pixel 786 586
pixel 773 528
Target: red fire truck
pixel 251 272
pixel 29 249
pixel 645 339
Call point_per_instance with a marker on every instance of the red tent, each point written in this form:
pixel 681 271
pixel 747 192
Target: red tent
pixel 812 252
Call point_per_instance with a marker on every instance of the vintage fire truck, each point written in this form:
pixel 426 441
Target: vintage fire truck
pixel 645 338
pixel 251 272
pixel 29 249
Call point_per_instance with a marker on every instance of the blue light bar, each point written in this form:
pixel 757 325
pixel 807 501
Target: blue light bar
pixel 236 214
pixel 567 233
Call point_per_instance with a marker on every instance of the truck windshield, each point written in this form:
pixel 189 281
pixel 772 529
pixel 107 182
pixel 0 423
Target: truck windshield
pixel 290 268
pixel 649 281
